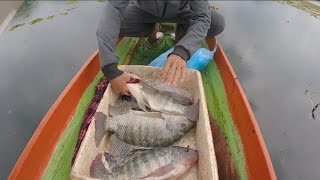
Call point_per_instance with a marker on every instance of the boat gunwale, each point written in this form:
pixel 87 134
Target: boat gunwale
pixel 256 168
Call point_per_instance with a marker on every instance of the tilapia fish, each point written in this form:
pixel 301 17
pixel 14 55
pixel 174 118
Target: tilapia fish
pixel 149 129
pixel 163 101
pixel 159 163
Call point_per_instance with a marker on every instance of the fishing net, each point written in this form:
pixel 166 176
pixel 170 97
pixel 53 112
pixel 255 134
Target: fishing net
pixel 147 53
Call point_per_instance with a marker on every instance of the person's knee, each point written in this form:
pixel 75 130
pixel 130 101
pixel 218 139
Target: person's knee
pixel 136 30
pixel 217 24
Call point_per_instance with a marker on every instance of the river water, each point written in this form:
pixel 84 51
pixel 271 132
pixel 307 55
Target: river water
pixel 273 47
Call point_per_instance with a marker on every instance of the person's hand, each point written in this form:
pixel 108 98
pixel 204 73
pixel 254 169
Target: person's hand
pixel 119 84
pixel 174 70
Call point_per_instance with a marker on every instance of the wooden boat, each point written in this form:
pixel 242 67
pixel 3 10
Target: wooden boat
pixel 239 146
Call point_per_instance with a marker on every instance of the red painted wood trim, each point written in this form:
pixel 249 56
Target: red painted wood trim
pixel 258 162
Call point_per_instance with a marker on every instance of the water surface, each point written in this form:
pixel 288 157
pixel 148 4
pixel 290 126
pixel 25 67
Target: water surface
pixel 37 62
pixel 274 50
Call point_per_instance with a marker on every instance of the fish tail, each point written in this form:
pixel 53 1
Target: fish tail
pixel 192 112
pixel 97 168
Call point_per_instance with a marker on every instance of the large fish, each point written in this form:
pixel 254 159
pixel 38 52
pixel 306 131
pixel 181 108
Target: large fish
pixel 159 163
pixel 149 129
pixel 163 101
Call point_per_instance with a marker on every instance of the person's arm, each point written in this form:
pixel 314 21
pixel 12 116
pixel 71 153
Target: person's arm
pixel 175 67
pixel 199 25
pixel 108 33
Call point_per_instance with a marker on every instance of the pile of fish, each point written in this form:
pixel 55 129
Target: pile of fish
pixel 143 128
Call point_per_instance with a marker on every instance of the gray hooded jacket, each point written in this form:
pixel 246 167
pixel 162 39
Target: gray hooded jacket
pixel 109 28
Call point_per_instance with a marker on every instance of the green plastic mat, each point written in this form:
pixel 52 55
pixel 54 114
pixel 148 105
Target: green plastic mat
pixel 218 107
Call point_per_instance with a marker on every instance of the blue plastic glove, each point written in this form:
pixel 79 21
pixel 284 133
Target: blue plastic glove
pixel 160 61
pixel 199 60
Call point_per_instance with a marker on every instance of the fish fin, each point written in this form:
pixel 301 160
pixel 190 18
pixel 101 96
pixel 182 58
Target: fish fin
pixel 142 104
pixel 100 131
pixel 114 161
pixel 112 110
pixel 136 92
pixel 97 168
pixel 161 173
pixel 192 112
pixel 119 147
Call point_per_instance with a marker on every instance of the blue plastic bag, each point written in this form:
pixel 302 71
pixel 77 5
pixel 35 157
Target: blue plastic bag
pixel 160 61
pixel 199 60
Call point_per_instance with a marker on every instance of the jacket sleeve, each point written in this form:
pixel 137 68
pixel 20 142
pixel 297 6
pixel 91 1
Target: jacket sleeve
pixel 108 33
pixel 199 21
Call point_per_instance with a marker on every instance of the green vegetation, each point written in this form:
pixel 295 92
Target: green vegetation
pixel 25 9
pixel 306 6
pixel 70 9
pixel 50 17
pixel 73 2
pixel 16 26
pixel 36 21
pixel 63 13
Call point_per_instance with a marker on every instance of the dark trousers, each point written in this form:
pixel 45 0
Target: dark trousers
pixel 138 23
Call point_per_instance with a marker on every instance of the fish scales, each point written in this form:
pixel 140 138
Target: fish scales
pixel 146 162
pixel 163 102
pixel 159 163
pixel 180 94
pixel 137 129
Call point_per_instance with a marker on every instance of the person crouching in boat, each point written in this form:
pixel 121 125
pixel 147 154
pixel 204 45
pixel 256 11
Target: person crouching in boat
pixel 195 21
